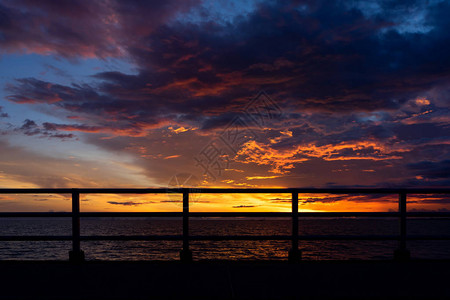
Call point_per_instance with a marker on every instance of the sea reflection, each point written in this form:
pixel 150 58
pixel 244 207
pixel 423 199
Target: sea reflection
pixel 229 249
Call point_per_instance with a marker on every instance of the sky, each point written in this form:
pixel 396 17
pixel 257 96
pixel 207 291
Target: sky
pixel 114 94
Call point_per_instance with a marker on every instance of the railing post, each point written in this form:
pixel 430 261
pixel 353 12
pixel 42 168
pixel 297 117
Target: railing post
pixel 185 253
pixel 76 254
pixel 295 255
pixel 402 253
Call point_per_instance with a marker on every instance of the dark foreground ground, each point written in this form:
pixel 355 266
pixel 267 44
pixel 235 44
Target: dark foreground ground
pixel 225 280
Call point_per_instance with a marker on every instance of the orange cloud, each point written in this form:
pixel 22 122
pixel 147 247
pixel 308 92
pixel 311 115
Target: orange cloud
pixel 422 101
pixel 260 177
pixel 137 129
pixel 181 129
pixel 283 160
pixel 172 156
pixel 262 154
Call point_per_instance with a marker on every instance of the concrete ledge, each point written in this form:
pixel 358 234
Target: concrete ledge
pixel 415 279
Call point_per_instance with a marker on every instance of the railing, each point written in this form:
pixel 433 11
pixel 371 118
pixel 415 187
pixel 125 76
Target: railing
pixel 77 255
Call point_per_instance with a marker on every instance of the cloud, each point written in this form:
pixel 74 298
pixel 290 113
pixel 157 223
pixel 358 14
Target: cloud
pixel 302 50
pixel 310 58
pixel 80 28
pixel 57 71
pixel 107 114
pixel 75 127
pixel 30 128
pixel 432 170
pixel 27 168
pixel 283 160
pixel 128 203
pixel 3 114
pixel 172 156
pixel 260 177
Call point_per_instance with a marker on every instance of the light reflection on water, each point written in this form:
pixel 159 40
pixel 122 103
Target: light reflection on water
pixel 234 250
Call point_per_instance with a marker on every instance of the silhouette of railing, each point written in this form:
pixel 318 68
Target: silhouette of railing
pixel 77 255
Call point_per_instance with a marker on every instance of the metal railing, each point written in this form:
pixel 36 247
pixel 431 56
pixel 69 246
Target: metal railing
pixel 77 255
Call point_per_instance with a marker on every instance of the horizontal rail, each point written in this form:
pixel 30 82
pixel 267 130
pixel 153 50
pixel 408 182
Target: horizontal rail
pixel 289 214
pixel 222 237
pixel 230 191
pixel 218 214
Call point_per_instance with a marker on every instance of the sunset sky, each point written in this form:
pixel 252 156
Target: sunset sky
pixel 224 94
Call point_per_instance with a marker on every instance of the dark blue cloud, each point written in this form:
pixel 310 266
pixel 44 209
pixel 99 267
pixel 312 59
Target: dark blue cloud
pixel 432 170
pixel 325 56
pixel 3 114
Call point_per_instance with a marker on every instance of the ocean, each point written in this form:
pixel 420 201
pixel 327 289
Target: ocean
pixel 230 250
